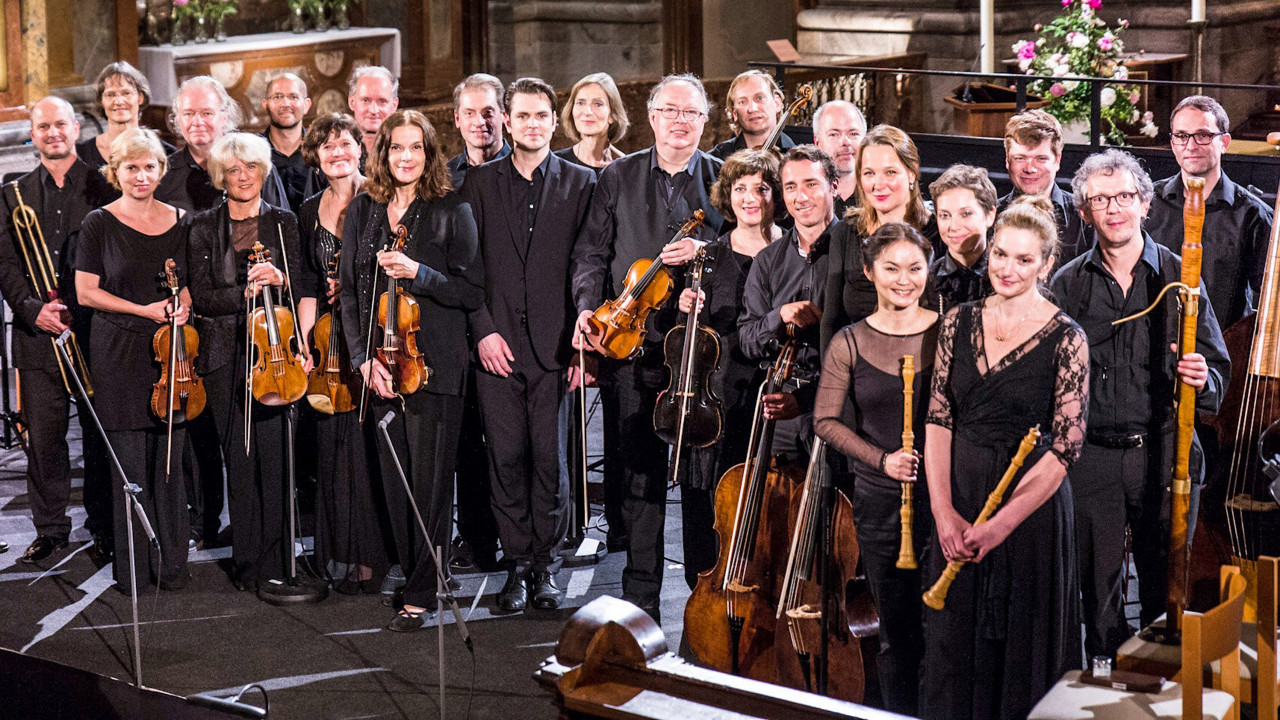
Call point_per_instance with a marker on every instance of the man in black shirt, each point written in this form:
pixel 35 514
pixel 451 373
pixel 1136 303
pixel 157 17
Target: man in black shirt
pixel 61 190
pixel 478 114
pixel 640 202
pixel 1125 469
pixel 1237 224
pixel 373 93
pixel 529 209
pixel 838 127
pixel 1033 154
pixel 286 104
pixel 754 105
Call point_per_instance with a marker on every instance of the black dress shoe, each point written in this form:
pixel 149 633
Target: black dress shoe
pixel 41 548
pixel 466 560
pixel 102 551
pixel 175 583
pixel 4 547
pixel 546 596
pixel 407 622
pixel 515 594
pixel 347 586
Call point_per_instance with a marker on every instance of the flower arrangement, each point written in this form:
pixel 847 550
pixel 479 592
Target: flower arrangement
pixel 216 10
pixel 1081 44
pixel 187 9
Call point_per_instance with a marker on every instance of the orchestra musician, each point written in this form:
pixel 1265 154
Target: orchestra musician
pixel 838 129
pixel 1010 626
pixel 286 103
pixel 61 190
pixel 373 93
pixel 1125 467
pixel 348 530
pixel 221 283
pixel 747 191
pixel 122 249
pixel 639 203
pixel 440 267
pixel 862 370
pixel 594 118
pixel 1032 155
pixel 1237 223
pixel 122 91
pixel 478 115
pixel 754 106
pixel 964 201
pixel 529 208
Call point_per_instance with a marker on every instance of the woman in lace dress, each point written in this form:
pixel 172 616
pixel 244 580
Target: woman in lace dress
pixel 1011 625
pixel 862 371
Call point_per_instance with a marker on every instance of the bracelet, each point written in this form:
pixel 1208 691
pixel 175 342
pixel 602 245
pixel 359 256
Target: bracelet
pixel 884 457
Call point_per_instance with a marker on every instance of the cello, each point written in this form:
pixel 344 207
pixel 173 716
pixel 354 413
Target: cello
pixel 617 326
pixel 329 383
pixel 729 619
pixel 179 394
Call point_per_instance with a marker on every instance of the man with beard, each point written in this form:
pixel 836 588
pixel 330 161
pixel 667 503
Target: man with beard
pixel 286 104
pixel 373 94
pixel 754 105
pixel 478 115
pixel 838 127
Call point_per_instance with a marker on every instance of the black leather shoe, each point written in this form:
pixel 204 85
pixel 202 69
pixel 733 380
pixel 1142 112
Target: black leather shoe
pixel 515 594
pixel 546 595
pixel 4 547
pixel 347 586
pixel 42 548
pixel 407 622
pixel 466 560
pixel 101 552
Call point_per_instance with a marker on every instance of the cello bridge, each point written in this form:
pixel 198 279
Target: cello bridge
pixel 804 612
pixel 735 586
pixel 1244 503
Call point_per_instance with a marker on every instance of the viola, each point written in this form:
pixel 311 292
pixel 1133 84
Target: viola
pixel 729 619
pixel 398 315
pixel 276 377
pixel 330 382
pixel 688 412
pixel 617 326
pixel 179 395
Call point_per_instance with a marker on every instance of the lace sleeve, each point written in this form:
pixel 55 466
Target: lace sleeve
pixel 1070 395
pixel 940 395
pixel 833 392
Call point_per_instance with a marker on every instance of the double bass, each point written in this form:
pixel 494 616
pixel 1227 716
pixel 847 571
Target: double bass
pixel 179 394
pixel 330 382
pixel 730 617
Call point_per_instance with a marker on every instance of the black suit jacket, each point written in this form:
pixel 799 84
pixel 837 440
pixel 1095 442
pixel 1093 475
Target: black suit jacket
pixel 32 347
pixel 527 289
pixel 217 281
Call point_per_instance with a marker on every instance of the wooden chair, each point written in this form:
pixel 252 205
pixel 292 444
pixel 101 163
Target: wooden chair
pixel 1213 635
pixel 1265 690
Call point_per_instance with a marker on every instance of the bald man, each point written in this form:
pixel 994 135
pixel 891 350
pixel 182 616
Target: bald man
pixel 61 190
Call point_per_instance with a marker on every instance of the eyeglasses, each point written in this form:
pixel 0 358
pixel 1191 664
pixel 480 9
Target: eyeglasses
pixel 1102 202
pixel 1202 138
pixel 670 113
pixel 293 98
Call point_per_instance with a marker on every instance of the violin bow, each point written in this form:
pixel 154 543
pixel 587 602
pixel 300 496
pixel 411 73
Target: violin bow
pixel 288 279
pixel 173 362
pixel 368 341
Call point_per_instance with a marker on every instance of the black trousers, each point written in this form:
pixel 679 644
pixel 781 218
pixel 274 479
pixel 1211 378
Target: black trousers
pixel 628 396
pixel 202 455
pixel 477 526
pixel 1114 488
pixel 425 436
pixel 530 497
pixel 142 455
pixel 46 415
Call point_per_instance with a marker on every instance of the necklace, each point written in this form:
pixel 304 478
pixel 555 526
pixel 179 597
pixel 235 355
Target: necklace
pixel 1003 336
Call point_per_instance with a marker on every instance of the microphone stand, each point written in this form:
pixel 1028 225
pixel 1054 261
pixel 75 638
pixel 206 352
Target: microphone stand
pixel 131 492
pixel 443 594
pixel 292 590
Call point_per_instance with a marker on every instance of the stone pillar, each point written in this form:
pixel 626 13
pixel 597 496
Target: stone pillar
pixel 731 38
pixel 35 51
pixel 562 40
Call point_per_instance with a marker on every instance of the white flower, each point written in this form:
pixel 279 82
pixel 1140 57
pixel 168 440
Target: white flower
pixel 1061 70
pixel 1108 96
pixel 1133 117
pixel 1070 84
pixel 1077 40
pixel 1040 42
pixel 1121 72
pixel 1023 65
pixel 1149 127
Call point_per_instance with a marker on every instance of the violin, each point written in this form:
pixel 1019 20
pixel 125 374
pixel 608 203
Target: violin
pixel 825 620
pixel 329 383
pixel 688 412
pixel 398 315
pixel 803 95
pixel 730 618
pixel 277 377
pixel 617 327
pixel 179 395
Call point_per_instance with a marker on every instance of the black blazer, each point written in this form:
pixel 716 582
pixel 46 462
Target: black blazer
pixel 217 281
pixel 535 279
pixel 450 281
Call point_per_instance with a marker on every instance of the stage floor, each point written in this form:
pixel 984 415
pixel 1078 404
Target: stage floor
pixel 330 660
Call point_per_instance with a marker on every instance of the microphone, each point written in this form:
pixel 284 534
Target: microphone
pixel 384 422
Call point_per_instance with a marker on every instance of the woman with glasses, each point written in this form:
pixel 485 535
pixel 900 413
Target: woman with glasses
pixel 122 91
pixel 595 118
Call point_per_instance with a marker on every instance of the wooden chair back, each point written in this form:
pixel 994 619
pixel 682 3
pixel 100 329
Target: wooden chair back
pixel 1265 684
pixel 1213 635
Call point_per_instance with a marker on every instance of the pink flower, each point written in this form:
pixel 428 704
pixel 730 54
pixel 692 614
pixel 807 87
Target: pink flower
pixel 1025 50
pixel 1057 90
pixel 1134 97
pixel 1095 4
pixel 181 3
pixel 1038 27
pixel 1066 3
pixel 1104 43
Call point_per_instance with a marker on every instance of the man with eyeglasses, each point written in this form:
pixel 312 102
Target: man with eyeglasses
pixel 838 128
pixel 640 202
pixel 754 105
pixel 1033 154
pixel 286 103
pixel 1125 469
pixel 1237 223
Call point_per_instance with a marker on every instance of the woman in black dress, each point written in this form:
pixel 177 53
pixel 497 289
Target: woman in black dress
pixel 123 247
pixel 440 266
pixel 221 282
pixel 595 119
pixel 888 190
pixel 862 371
pixel 746 191
pixel 347 529
pixel 1011 624
pixel 122 91
pixel 964 201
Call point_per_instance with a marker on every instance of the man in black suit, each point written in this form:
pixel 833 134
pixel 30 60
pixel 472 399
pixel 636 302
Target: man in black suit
pixel 640 202
pixel 61 191
pixel 529 207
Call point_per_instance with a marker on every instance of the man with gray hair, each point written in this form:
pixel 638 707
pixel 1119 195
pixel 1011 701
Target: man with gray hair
pixel 641 201
pixel 478 113
pixel 1123 473
pixel 202 113
pixel 838 127
pixel 286 103
pixel 373 93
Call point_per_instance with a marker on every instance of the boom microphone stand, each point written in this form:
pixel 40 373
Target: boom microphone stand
pixel 443 594
pixel 131 492
pixel 292 590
